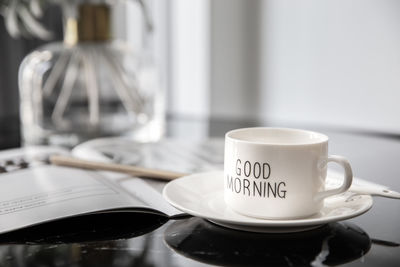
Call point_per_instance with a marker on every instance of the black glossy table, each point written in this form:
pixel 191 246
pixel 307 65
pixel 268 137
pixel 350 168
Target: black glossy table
pixel 371 239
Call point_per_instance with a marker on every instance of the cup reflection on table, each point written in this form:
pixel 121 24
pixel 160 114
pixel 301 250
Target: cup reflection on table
pixel 330 244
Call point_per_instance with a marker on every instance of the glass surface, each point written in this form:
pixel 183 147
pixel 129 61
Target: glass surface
pixel 371 239
pixel 186 242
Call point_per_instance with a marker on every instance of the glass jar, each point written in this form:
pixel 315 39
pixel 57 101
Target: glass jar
pixel 89 85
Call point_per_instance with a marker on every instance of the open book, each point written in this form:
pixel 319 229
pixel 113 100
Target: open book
pixel 33 192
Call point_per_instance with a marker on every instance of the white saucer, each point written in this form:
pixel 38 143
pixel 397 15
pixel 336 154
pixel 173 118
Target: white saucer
pixel 201 195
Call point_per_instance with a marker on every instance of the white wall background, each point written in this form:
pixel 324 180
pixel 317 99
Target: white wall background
pixel 329 63
pixel 190 59
pixel 332 62
pixel 235 59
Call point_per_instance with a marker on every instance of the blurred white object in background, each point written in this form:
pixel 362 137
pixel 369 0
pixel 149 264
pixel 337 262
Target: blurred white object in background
pixel 90 86
pixel 21 18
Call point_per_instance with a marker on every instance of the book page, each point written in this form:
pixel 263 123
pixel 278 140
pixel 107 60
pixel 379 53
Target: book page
pixel 45 193
pixel 32 191
pixel 143 192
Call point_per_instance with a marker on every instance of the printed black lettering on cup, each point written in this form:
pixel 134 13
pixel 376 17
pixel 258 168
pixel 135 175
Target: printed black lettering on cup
pixel 247 168
pixel 257 170
pixel 247 181
pixel 254 169
pixel 266 170
pixel 256 188
pixel 238 169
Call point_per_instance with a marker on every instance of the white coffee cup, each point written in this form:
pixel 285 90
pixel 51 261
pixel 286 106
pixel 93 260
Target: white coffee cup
pixel 278 173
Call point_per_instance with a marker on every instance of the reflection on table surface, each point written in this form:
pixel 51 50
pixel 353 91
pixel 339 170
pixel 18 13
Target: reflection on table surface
pixel 194 238
pixel 128 241
pixel 331 244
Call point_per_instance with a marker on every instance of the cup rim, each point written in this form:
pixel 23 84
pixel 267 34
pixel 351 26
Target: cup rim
pixel 322 138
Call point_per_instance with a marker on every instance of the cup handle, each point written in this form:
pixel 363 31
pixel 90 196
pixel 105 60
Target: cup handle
pixel 347 179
